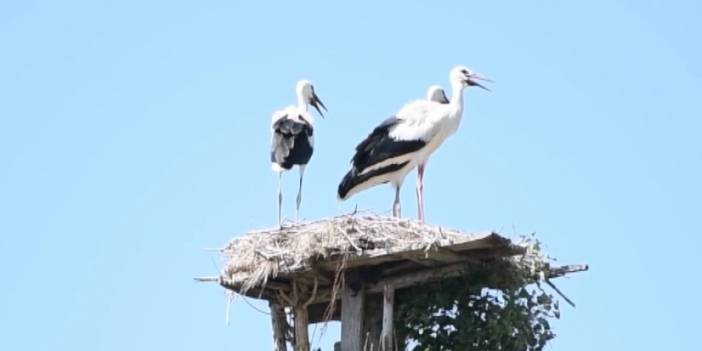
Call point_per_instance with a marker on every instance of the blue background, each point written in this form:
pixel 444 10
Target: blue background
pixel 134 136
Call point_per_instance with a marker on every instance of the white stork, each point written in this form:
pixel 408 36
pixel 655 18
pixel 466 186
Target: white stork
pixel 292 140
pixel 406 140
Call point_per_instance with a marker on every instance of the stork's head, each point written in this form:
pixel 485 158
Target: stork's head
pixel 437 94
pixel 463 76
pixel 305 91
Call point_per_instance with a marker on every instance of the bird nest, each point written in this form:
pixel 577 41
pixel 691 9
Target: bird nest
pixel 253 259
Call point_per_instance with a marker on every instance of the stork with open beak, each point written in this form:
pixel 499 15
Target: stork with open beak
pixel 407 140
pixel 292 140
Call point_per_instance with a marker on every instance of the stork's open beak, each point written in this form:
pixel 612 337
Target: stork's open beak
pixel 316 103
pixel 472 81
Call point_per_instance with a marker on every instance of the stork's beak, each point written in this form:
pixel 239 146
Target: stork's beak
pixel 472 81
pixel 316 103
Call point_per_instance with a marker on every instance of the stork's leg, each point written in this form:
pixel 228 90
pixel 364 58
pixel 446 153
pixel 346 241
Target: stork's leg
pixel 420 192
pixel 299 194
pixel 280 199
pixel 396 205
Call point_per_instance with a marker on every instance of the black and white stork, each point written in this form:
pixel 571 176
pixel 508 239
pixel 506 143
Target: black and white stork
pixel 292 140
pixel 407 140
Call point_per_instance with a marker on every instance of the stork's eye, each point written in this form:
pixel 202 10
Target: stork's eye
pixel 464 71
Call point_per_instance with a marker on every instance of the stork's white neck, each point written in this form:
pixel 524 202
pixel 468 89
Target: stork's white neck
pixel 301 102
pixel 457 98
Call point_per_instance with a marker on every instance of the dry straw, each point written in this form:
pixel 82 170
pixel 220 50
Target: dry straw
pixel 262 254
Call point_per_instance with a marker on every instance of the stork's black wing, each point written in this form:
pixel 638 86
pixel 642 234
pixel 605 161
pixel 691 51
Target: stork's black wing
pixel 291 143
pixel 379 146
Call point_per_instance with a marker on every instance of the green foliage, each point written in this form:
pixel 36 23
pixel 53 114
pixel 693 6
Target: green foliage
pixel 487 309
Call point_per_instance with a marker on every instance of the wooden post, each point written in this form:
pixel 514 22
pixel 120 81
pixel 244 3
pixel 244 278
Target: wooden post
pixel 279 323
pixel 352 314
pixel 387 334
pixel 302 339
pixel 372 321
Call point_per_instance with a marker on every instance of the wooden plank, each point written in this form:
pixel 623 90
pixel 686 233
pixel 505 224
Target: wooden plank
pixel 422 276
pixel 386 335
pixel 491 245
pixel 378 256
pixel 302 339
pixel 449 256
pixel 351 314
pixel 418 259
pixel 561 271
pixel 256 292
pixel 278 323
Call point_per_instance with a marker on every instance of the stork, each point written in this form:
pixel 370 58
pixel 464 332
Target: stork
pixel 292 140
pixel 406 140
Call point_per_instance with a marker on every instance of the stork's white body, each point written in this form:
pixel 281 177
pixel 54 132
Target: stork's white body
pixel 428 121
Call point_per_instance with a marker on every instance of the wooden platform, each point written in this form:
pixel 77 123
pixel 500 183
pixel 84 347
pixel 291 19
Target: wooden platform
pixel 351 272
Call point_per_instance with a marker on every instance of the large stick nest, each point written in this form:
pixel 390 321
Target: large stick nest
pixel 259 255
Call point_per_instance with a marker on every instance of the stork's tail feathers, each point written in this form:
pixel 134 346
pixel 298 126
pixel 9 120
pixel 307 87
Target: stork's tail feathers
pixel 355 181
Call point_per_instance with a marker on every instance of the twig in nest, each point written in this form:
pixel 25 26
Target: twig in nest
pixel 358 249
pixel 230 297
pixel 432 241
pixel 208 279
pixel 336 286
pixel 263 254
pixel 560 293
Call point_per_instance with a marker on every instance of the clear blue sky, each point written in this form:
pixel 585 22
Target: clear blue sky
pixel 134 135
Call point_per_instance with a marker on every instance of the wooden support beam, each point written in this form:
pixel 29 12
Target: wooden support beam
pixel 302 339
pixel 352 314
pixel 387 341
pixel 372 322
pixel 403 280
pixel 418 258
pixel 278 323
pixel 399 268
